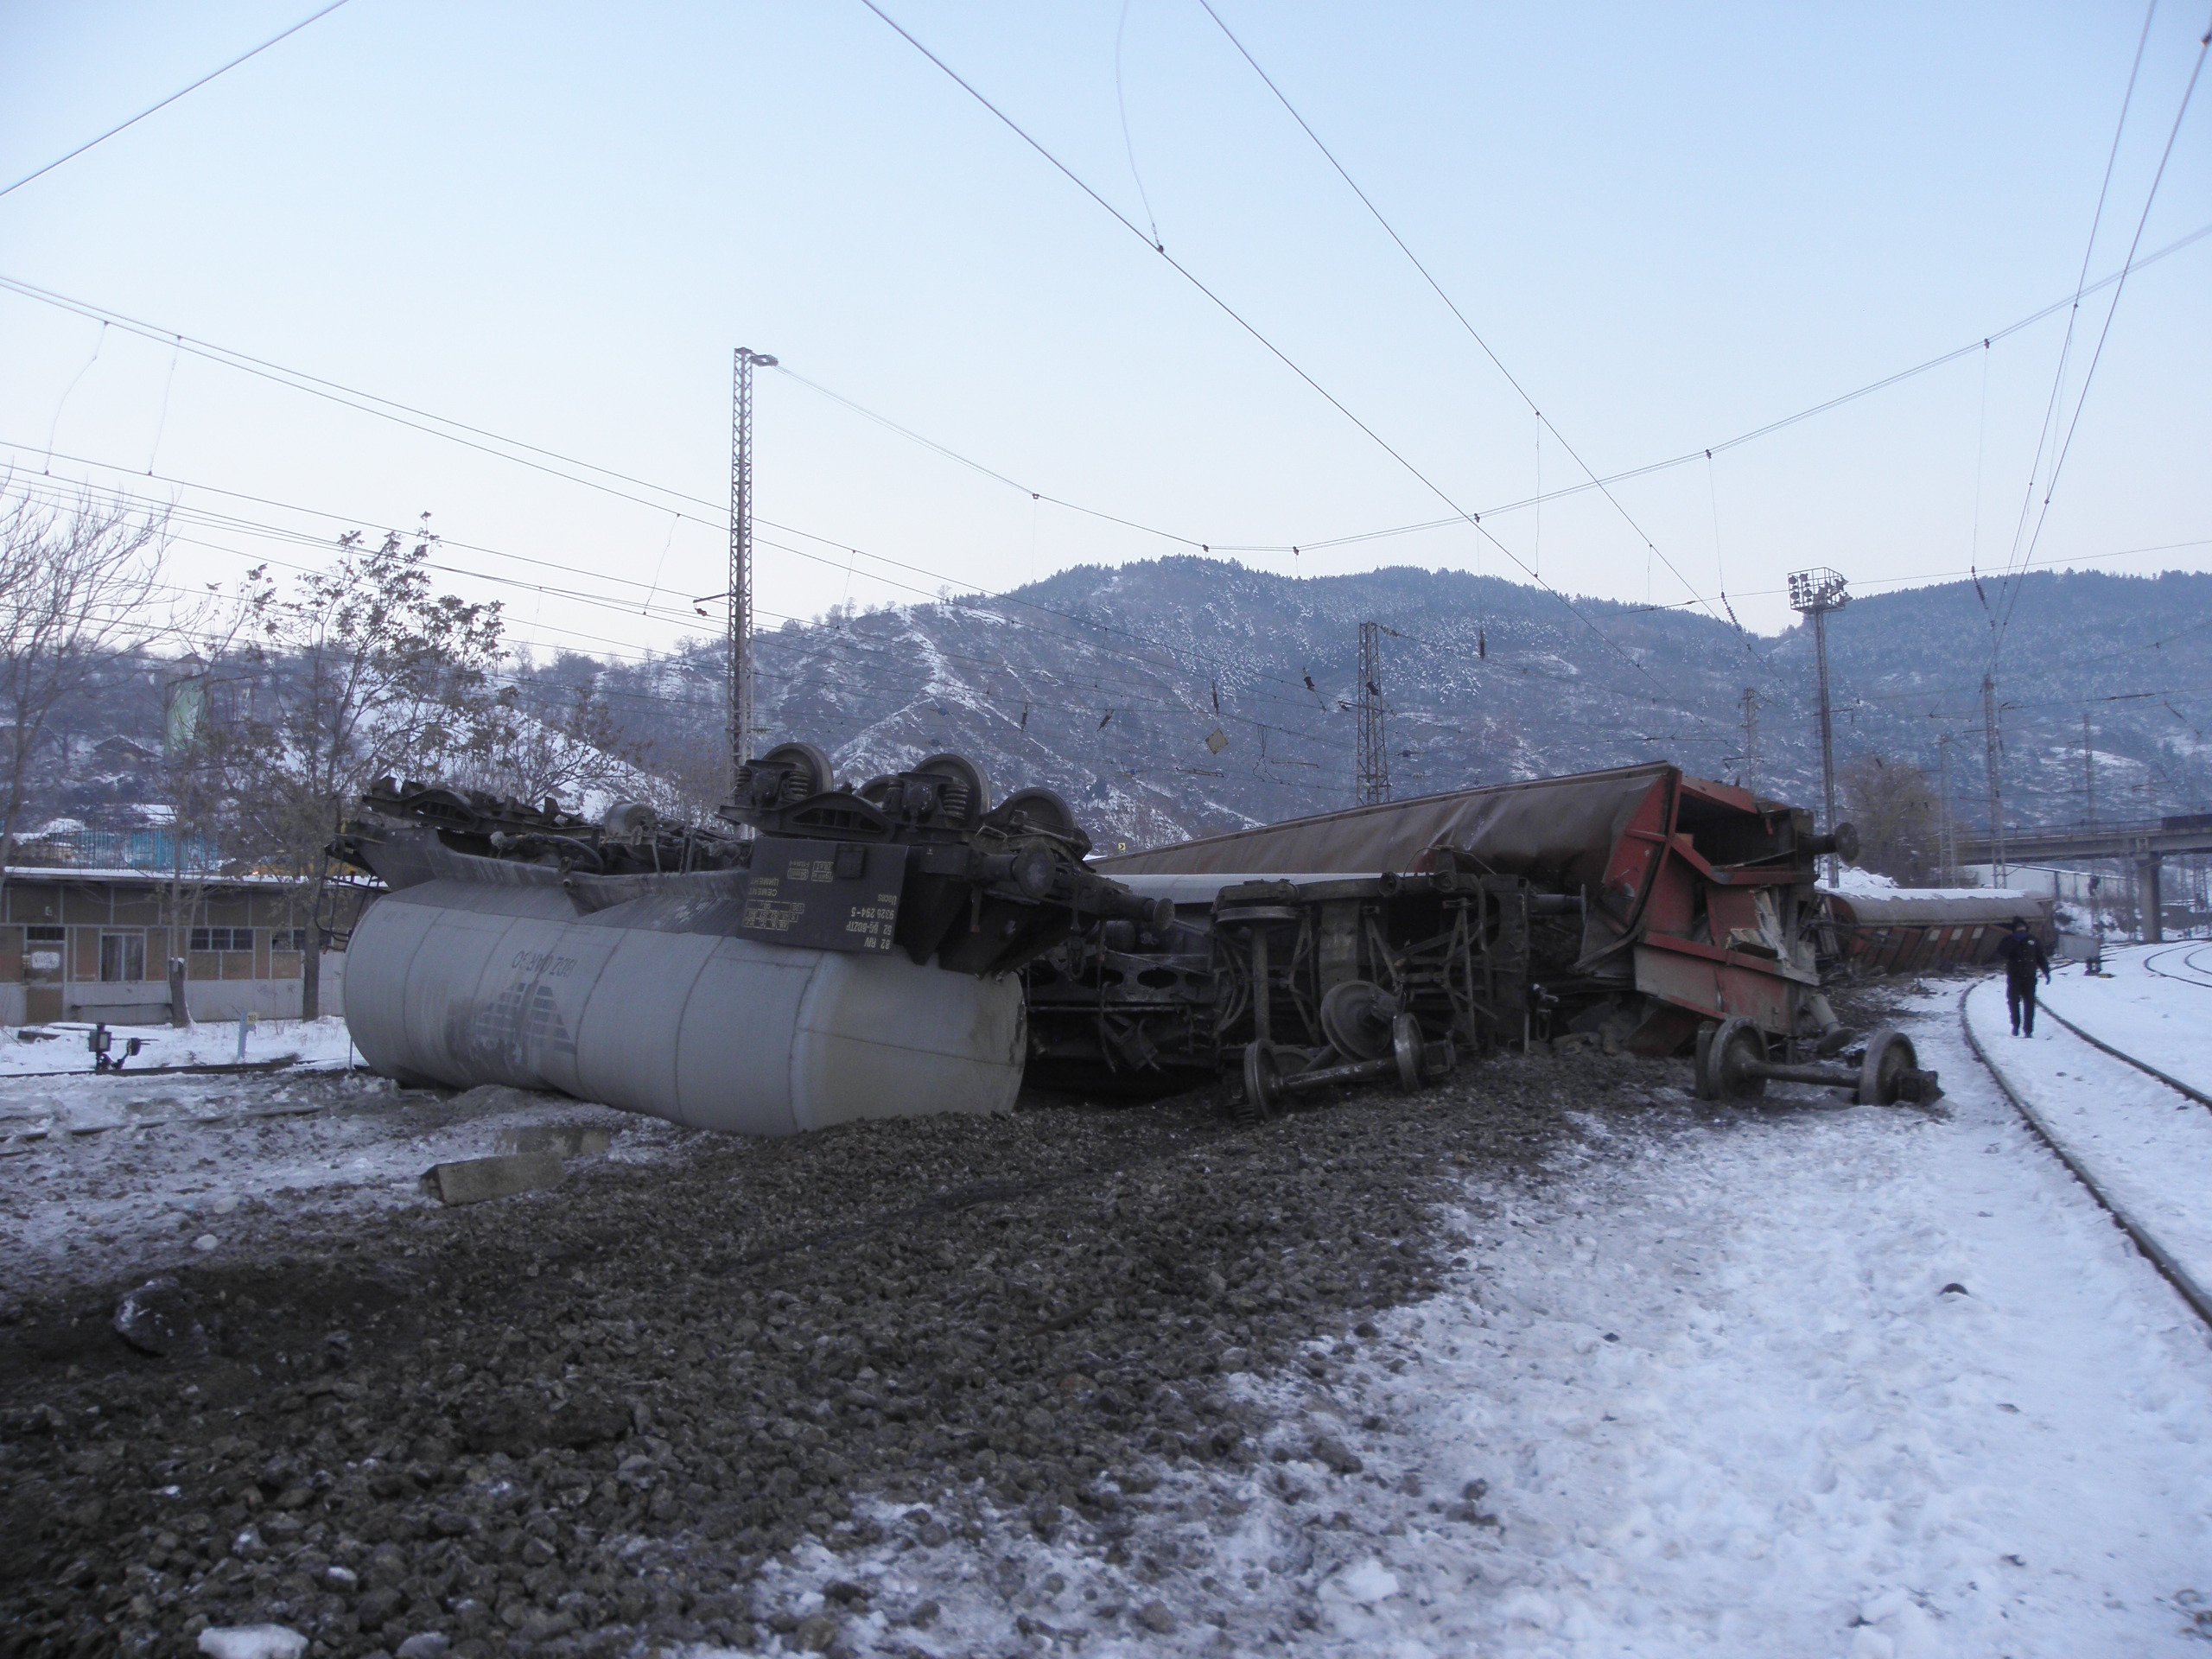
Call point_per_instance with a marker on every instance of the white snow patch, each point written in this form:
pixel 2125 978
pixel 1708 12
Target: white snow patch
pixel 321 1044
pixel 253 1642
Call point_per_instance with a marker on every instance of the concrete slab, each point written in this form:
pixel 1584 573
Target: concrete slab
pixel 473 1180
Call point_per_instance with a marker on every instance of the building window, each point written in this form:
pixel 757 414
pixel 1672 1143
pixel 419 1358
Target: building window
pixel 222 938
pixel 123 956
pixel 47 935
pixel 289 938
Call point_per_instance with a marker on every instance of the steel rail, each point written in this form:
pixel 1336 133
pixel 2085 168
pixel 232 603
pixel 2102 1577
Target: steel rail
pixel 2154 1252
pixel 2172 1081
pixel 2188 956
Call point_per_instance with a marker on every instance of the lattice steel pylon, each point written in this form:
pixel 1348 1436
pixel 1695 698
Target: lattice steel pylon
pixel 1373 787
pixel 1815 594
pixel 741 558
pixel 1947 833
pixel 1993 740
pixel 1748 775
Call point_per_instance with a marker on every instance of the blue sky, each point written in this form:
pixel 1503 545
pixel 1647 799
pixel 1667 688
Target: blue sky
pixel 1673 225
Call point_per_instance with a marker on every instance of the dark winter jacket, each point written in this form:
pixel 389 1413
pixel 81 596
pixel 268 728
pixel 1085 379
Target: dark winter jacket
pixel 2023 955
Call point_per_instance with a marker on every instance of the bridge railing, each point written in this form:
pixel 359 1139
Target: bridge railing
pixel 2101 830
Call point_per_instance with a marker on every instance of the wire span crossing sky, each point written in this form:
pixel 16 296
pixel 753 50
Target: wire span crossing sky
pixel 1670 227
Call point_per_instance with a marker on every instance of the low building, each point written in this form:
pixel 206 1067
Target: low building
pixel 94 945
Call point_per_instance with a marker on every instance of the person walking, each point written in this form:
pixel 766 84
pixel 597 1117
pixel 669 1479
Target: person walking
pixel 2024 957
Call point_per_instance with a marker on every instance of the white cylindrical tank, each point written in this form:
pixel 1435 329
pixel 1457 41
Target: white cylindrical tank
pixel 648 1005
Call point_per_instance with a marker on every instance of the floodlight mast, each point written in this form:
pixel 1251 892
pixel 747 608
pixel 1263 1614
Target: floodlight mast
pixel 741 733
pixel 1814 593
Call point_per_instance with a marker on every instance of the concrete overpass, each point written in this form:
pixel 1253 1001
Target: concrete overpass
pixel 2146 844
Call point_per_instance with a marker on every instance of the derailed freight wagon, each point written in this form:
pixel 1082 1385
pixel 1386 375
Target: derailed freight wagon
pixel 1661 910
pixel 908 946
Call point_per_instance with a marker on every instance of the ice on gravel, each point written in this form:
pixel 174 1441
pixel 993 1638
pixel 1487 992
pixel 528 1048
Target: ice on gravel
pixel 138 1173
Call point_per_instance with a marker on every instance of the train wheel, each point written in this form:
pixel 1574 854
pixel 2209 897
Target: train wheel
pixel 1262 1081
pixel 1406 1045
pixel 1039 810
pixel 810 772
pixel 1355 1018
pixel 1883 1074
pixel 967 792
pixel 1725 1059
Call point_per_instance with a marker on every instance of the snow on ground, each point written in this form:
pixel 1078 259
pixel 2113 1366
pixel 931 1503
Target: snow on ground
pixel 60 1047
pixel 1808 1381
pixel 2149 1145
pixel 2161 1019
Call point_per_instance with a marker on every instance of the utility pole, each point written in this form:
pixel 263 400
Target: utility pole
pixel 1373 787
pixel 1947 834
pixel 1815 594
pixel 1749 704
pixel 1990 737
pixel 2088 770
pixel 740 558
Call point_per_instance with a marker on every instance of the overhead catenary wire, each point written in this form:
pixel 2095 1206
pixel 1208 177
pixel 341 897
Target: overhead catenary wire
pixel 411 416
pixel 1784 423
pixel 2043 431
pixel 154 109
pixel 1450 304
pixel 2081 402
pixel 1470 519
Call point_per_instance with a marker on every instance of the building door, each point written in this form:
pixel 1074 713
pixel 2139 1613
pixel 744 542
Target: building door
pixel 43 967
pixel 123 957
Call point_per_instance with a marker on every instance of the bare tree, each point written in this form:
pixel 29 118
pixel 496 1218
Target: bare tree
pixel 685 779
pixel 563 749
pixel 76 585
pixel 362 670
pixel 1894 811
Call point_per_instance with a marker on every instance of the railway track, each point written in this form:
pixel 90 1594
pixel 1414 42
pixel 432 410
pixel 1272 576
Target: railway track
pixel 2189 1288
pixel 2189 970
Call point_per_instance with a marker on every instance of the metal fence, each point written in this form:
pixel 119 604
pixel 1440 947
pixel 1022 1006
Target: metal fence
pixel 153 851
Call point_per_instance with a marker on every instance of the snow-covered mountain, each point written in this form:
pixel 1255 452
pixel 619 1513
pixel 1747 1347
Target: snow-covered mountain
pixel 1188 695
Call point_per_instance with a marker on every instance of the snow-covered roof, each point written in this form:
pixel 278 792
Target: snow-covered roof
pixel 88 873
pixel 1855 883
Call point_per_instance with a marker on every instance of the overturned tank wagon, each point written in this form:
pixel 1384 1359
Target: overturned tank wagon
pixel 855 957
pixel 1644 906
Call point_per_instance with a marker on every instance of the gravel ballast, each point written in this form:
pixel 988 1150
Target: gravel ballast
pixel 746 1394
